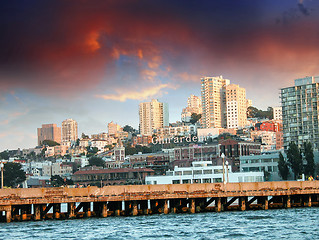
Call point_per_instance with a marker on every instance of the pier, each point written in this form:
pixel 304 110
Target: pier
pixel 132 200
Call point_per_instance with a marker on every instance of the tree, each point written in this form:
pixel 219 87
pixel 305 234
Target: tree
pixel 253 112
pixel 128 129
pixel 50 143
pixel 13 174
pixel 283 167
pixel 317 168
pixel 91 151
pixel 270 112
pixel 308 153
pixel 4 155
pixel 43 152
pixel 266 175
pixel 96 161
pixel 130 150
pixel 295 159
pixel 84 136
pixel 195 118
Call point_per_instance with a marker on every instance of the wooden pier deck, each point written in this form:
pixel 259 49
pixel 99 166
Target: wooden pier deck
pixel 125 200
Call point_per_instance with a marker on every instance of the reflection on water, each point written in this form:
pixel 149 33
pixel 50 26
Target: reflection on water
pixel 299 223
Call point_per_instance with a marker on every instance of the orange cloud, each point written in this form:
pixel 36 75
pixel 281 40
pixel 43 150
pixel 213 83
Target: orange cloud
pixel 136 95
pixel 149 74
pixel 92 41
pixel 155 62
pixel 184 76
pixel 140 53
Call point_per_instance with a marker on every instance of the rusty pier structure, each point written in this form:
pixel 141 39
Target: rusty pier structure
pixel 132 200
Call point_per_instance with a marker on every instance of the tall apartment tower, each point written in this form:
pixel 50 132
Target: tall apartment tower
pixel 194 105
pixel 236 106
pixel 153 115
pixel 300 112
pixel 49 132
pixel 214 102
pixel 69 131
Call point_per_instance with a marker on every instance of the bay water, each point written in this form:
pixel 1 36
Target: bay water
pixel 298 223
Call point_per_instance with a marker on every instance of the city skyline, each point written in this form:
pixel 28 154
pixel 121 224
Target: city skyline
pixel 95 61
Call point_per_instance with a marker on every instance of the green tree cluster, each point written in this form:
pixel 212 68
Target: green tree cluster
pixel 91 151
pixel 4 155
pixel 253 112
pixel 195 118
pixel 295 159
pixel 129 129
pixel 13 174
pixel 96 161
pixel 309 157
pixel 283 167
pixel 129 150
pixel 50 143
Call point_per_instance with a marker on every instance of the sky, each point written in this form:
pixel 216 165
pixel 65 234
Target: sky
pixel 95 60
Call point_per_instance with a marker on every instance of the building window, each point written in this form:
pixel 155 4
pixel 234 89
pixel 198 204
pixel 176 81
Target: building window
pixel 217 180
pixel 196 181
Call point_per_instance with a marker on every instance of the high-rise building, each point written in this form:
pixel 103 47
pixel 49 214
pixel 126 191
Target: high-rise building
pixel 152 115
pixel 236 106
pixel 300 112
pixel 194 105
pixel 214 102
pixel 69 131
pixel 277 112
pixel 49 132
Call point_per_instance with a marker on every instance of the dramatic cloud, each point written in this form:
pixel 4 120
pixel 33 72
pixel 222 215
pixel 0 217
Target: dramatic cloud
pixel 63 47
pixel 56 55
pixel 136 95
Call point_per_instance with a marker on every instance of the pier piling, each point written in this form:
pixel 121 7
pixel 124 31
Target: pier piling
pixel 16 204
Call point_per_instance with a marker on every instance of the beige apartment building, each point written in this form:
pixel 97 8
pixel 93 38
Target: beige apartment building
pixel 224 104
pixel 69 131
pixel 194 105
pixel 236 106
pixel 49 132
pixel 214 102
pixel 113 129
pixel 152 115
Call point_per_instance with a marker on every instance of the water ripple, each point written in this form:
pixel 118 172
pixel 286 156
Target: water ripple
pixel 272 224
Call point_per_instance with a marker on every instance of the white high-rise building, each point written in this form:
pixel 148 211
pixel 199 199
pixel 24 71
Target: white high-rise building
pixel 277 111
pixel 214 102
pixel 69 131
pixel 153 115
